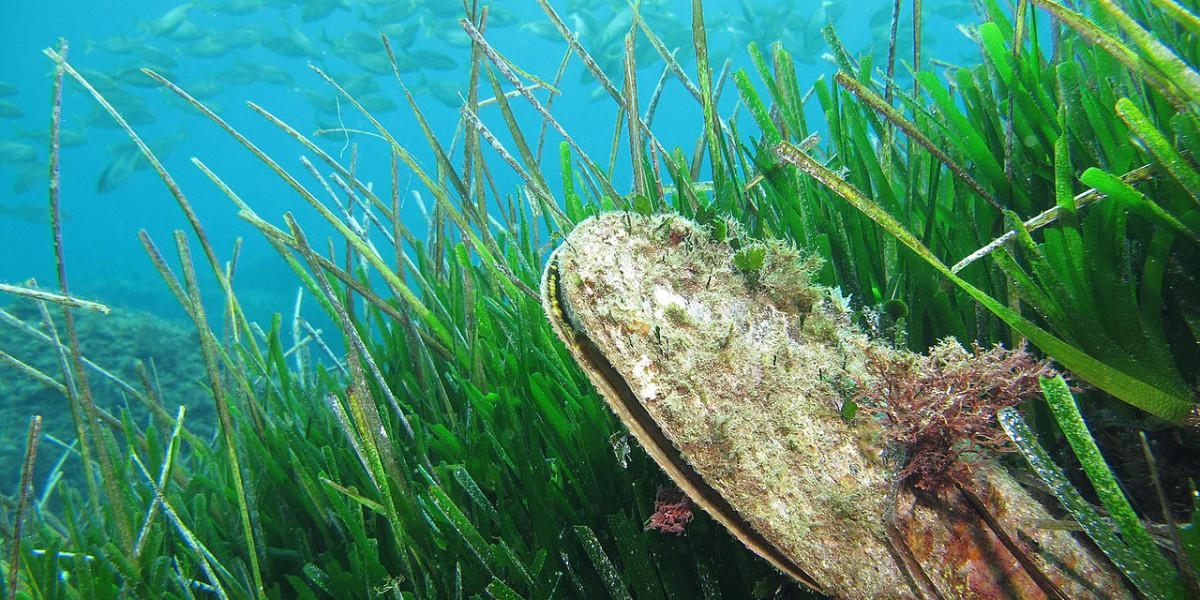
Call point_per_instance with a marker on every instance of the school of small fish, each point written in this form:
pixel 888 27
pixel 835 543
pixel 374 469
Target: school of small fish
pixel 239 43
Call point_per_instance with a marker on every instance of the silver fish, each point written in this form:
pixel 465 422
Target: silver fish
pixel 16 152
pixel 212 46
pixel 315 10
pixel 8 110
pixel 119 171
pixel 37 173
pixel 238 8
pixel 171 20
pixel 38 214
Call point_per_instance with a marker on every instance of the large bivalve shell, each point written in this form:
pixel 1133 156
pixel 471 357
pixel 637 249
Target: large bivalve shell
pixel 733 381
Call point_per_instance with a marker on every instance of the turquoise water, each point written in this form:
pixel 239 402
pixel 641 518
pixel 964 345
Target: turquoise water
pixel 229 52
pixel 232 51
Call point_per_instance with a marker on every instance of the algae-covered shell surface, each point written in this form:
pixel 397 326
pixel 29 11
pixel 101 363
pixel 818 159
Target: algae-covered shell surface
pixel 732 373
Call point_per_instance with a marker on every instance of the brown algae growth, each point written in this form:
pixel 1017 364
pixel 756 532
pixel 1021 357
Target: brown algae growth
pixel 732 370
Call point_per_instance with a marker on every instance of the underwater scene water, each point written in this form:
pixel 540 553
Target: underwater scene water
pixel 427 418
pixel 227 54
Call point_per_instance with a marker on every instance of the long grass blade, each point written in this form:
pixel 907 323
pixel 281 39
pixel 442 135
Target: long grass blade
pixel 1160 147
pixel 85 404
pixel 209 351
pixel 1116 48
pixel 1142 394
pixel 893 116
pixel 23 495
pixel 59 299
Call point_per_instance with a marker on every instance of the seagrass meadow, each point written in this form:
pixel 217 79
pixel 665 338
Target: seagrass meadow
pixel 439 440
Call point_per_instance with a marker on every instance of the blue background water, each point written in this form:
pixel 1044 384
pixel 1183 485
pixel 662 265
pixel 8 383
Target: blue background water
pixel 110 41
pixel 104 257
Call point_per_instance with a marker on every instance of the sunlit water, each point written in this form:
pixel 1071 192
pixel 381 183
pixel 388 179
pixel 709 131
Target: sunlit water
pixel 229 52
